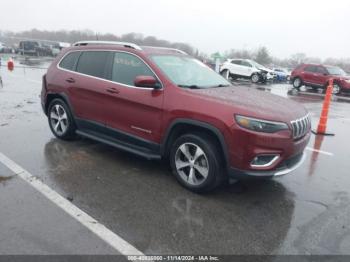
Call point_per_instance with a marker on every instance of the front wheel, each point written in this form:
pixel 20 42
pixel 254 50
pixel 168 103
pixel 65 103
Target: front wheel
pixel 336 89
pixel 60 120
pixel 195 162
pixel 255 78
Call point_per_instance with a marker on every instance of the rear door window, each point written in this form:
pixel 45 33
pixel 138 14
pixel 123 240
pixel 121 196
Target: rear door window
pixel 321 70
pixel 245 63
pixel 94 63
pixel 126 67
pixel 69 61
pixel 312 69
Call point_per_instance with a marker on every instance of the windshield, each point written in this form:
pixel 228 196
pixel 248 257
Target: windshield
pixel 188 72
pixel 336 71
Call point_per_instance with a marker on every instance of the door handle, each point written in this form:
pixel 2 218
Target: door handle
pixel 70 80
pixel 112 90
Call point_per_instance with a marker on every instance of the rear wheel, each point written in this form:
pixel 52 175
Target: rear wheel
pixel 196 162
pixel 225 73
pixel 297 83
pixel 60 120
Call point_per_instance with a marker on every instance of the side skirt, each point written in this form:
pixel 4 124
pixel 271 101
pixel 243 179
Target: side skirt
pixel 118 139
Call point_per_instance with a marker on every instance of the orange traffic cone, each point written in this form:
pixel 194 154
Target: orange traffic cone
pixel 322 124
pixel 10 65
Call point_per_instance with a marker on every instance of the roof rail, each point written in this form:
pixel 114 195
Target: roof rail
pixel 167 48
pixel 125 44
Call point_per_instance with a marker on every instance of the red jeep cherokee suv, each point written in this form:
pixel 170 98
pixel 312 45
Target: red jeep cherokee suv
pixel 318 76
pixel 162 103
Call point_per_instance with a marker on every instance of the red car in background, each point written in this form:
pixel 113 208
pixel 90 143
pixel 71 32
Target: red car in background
pixel 318 76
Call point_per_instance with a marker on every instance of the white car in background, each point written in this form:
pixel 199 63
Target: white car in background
pixel 246 68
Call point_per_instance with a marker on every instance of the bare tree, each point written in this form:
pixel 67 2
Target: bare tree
pixel 262 56
pixel 297 59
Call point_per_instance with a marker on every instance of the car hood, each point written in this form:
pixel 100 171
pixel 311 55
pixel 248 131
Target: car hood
pixel 266 69
pixel 254 103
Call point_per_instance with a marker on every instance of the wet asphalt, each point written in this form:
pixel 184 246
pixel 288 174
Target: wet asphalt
pixel 305 212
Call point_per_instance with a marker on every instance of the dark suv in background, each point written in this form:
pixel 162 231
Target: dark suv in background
pixel 34 48
pixel 162 103
pixel 318 76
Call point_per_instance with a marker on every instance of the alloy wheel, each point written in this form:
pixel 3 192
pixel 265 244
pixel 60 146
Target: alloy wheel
pixel 336 89
pixel 59 119
pixel 255 78
pixel 191 164
pixel 297 82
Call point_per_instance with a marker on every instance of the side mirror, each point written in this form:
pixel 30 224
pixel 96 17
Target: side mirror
pixel 147 82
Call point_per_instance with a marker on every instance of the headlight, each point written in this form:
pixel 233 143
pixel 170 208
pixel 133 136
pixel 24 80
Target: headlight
pixel 259 125
pixel 348 81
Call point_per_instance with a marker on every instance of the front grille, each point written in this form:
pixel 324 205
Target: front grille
pixel 301 127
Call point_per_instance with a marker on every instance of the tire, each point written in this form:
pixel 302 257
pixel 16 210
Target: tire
pixel 336 89
pixel 196 163
pixel 60 120
pixel 297 83
pixel 225 74
pixel 255 78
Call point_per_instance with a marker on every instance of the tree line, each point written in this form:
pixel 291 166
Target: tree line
pixel 72 36
pixel 261 55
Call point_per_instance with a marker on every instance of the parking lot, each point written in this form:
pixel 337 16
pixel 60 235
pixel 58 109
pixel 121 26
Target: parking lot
pixel 112 202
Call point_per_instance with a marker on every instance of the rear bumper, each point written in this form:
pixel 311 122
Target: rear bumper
pixel 284 168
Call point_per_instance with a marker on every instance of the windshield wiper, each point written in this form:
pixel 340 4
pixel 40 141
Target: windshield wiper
pixel 189 86
pixel 221 85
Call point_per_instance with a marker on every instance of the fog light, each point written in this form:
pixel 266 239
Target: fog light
pixel 264 160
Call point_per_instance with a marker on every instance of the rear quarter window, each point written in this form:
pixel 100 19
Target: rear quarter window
pixel 321 70
pixel 69 61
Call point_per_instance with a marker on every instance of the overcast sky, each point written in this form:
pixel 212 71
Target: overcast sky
pixel 317 28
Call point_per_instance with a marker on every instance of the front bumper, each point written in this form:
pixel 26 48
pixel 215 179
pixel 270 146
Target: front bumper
pixel 345 87
pixel 266 77
pixel 270 76
pixel 284 168
pixel 245 145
